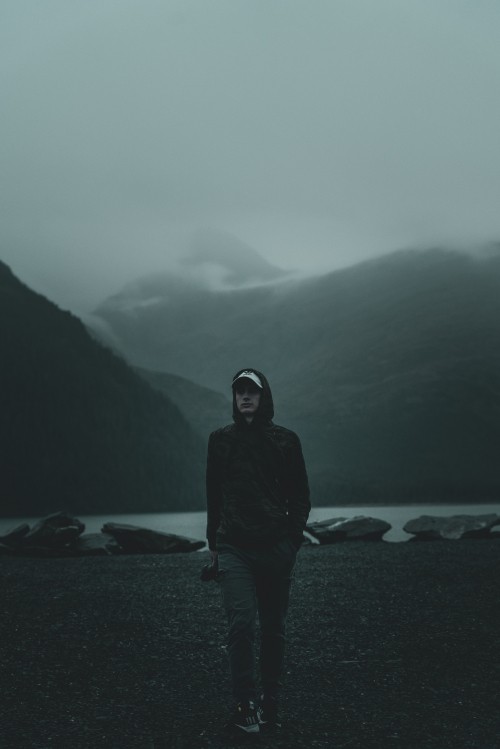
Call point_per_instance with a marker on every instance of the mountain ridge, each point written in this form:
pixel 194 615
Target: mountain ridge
pixel 80 430
pixel 386 369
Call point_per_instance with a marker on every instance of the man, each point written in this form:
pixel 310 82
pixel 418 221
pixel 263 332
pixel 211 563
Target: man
pixel 257 508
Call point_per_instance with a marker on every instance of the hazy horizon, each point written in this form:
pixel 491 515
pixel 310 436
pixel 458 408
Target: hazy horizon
pixel 319 134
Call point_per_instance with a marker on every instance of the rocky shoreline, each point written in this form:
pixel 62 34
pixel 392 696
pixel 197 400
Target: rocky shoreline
pixel 61 534
pixel 390 645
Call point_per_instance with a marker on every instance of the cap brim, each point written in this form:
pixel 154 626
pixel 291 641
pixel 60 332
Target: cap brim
pixel 248 376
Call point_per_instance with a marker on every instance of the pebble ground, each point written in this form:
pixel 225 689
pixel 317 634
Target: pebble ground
pixel 389 646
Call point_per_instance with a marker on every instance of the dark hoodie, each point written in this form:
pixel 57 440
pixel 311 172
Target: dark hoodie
pixel 257 488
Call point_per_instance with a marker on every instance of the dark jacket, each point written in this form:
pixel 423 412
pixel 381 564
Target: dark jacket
pixel 257 488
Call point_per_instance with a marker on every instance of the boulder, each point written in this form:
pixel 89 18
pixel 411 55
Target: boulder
pixel 96 544
pixel 14 538
pixel 53 532
pixel 136 540
pixel 454 527
pixel 358 528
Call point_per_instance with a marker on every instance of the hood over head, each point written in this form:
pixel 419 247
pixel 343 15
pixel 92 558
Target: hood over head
pixel 265 412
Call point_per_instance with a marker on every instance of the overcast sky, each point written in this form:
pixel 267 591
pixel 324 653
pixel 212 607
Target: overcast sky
pixel 319 132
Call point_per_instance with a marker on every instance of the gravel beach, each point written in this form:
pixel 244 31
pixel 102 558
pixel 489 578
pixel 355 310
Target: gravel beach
pixel 389 645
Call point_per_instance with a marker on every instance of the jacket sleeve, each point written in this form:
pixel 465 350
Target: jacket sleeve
pixel 297 489
pixel 213 483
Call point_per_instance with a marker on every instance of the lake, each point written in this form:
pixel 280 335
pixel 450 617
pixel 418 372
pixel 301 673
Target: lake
pixel 192 524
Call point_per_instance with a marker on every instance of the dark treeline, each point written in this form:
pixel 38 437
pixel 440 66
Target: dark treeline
pixel 79 430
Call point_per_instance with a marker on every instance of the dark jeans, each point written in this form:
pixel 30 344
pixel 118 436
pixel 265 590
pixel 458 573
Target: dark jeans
pixel 252 581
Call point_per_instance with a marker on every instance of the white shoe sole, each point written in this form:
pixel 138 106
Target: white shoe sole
pixel 248 729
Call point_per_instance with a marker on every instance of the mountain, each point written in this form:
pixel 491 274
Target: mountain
pixel 79 429
pixel 238 263
pixel 202 407
pixel 389 370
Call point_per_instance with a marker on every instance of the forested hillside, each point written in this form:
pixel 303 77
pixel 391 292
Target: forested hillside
pixel 204 409
pixel 79 429
pixel 389 370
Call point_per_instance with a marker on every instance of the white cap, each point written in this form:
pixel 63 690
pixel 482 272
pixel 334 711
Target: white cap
pixel 248 374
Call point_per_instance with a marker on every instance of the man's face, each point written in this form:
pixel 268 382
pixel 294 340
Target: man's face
pixel 247 396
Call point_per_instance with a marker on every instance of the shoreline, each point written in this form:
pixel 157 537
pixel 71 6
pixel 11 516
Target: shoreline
pixel 192 524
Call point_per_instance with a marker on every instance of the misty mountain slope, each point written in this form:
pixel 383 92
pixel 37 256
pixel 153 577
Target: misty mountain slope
pixel 407 378
pixel 389 370
pixel 240 264
pixel 192 306
pixel 216 261
pixel 398 313
pixel 185 332
pixel 79 429
pixel 203 408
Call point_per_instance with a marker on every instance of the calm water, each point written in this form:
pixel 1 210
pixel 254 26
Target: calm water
pixel 192 524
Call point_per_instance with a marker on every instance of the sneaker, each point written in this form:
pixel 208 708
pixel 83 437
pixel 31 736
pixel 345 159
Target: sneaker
pixel 245 717
pixel 268 712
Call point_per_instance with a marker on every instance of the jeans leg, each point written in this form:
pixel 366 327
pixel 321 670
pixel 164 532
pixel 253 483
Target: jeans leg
pixel 237 583
pixel 273 588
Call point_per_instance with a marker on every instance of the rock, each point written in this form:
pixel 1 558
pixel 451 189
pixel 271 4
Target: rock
pixel 96 544
pixel 136 540
pixel 14 538
pixel 454 527
pixel 307 540
pixel 359 528
pixel 53 532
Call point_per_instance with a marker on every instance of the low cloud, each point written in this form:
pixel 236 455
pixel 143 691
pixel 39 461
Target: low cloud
pixel 317 134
